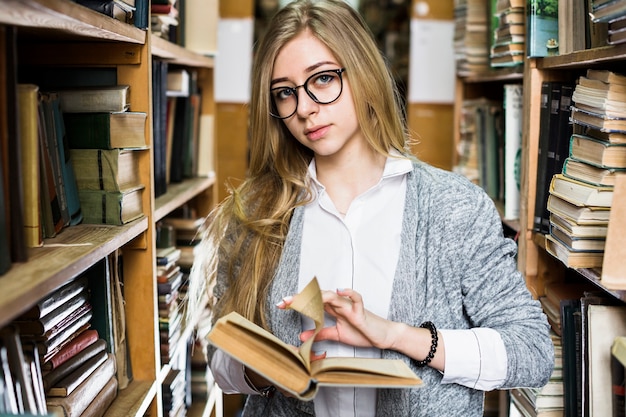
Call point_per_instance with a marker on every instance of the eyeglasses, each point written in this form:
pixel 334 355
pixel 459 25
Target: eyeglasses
pixel 323 87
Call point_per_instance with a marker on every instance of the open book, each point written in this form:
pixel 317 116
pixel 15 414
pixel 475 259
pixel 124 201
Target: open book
pixel 291 368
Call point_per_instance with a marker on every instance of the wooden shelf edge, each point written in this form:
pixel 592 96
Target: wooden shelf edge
pixel 584 58
pixel 593 276
pixel 176 54
pixel 180 193
pixel 134 400
pixel 67 17
pixel 72 252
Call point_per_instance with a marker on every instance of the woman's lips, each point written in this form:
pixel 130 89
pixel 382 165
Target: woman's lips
pixel 316 132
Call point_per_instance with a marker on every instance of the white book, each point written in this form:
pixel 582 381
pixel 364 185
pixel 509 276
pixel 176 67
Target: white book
pixel 513 103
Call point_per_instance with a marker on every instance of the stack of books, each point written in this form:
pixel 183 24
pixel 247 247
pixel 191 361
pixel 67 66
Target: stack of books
pixel 164 19
pixel 105 138
pixel 471 39
pixel 581 195
pixel 76 368
pixel 171 303
pixel 509 34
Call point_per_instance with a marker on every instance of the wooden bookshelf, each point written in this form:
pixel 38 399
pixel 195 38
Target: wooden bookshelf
pixel 61 33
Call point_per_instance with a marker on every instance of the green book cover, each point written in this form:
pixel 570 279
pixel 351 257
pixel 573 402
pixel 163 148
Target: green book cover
pixel 542 30
pixel 111 207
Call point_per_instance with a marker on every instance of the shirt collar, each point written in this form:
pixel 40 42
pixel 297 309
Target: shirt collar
pixel 396 164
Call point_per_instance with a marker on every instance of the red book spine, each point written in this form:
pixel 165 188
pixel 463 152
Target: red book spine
pixel 79 343
pixel 161 8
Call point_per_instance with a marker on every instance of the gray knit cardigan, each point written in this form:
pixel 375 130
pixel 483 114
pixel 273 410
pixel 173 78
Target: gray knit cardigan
pixel 455 269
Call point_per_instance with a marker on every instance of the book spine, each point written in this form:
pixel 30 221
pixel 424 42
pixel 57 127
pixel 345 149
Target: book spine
pixel 79 343
pixel 542 157
pixel 88 130
pixel 29 141
pixel 513 102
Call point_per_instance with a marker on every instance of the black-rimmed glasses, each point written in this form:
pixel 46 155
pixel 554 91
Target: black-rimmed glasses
pixel 323 87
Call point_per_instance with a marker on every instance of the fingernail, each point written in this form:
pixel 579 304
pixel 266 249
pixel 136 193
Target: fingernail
pixel 319 352
pixel 288 298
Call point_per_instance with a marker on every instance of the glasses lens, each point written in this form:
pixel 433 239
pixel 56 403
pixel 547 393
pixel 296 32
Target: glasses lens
pixel 323 87
pixel 284 101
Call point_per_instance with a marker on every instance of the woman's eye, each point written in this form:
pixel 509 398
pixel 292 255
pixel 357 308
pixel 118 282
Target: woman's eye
pixel 323 79
pixel 283 93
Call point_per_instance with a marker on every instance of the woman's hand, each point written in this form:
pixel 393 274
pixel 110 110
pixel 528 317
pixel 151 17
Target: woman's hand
pixel 355 326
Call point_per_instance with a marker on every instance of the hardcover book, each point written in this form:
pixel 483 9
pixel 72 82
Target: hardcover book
pixel 542 31
pixel 581 193
pixel 51 378
pixel 106 169
pixel 29 152
pixel 589 173
pixel 597 152
pixel 106 130
pixel 292 369
pixel 76 345
pixel 55 299
pixel 95 99
pixel 112 207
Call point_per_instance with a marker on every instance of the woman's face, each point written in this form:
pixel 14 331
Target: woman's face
pixel 326 129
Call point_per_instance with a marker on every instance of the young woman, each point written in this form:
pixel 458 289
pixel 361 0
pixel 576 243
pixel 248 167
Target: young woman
pixel 411 258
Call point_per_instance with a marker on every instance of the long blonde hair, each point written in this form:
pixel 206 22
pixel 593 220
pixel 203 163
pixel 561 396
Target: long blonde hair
pixel 245 236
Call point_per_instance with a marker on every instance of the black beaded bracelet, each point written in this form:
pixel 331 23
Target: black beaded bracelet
pixel 433 347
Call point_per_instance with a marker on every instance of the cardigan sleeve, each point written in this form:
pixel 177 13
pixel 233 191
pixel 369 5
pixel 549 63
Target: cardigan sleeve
pixel 494 291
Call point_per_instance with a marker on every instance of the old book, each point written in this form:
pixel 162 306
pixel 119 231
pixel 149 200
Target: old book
pixel 542 35
pixel 576 242
pixel 591 174
pixel 577 214
pixel 581 193
pixel 111 130
pixel 29 147
pixel 77 402
pixel 573 258
pixel 597 152
pixel 95 99
pixel 605 322
pixel 40 326
pixel 71 381
pixel 512 104
pixel 51 378
pixel 613 137
pixel 100 404
pixel 578 230
pixel 76 345
pixel 19 368
pixel 55 299
pixel 106 169
pixel 292 369
pixel 112 207
pixel 598 119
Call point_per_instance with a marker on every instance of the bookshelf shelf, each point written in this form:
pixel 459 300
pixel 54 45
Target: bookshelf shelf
pixel 500 75
pixel 73 251
pixel 178 194
pixel 43 39
pixel 585 58
pixel 67 18
pixel 176 54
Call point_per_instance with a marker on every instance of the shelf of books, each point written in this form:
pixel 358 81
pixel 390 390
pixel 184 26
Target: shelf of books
pixel 570 207
pixel 106 177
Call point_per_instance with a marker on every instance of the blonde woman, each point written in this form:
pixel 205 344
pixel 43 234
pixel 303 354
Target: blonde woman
pixel 411 259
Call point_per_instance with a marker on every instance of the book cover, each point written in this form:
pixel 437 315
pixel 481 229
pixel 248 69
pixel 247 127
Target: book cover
pixel 578 230
pixel 577 243
pixel 45 324
pixel 55 375
pixel 112 207
pixel 95 99
pixel 17 246
pixel 106 169
pixel 71 381
pixel 513 103
pixel 572 356
pixel 159 104
pixel 52 149
pixel 598 119
pixel 106 130
pixel 29 152
pixel 581 193
pixel 597 152
pixel 19 368
pixel 76 345
pixel 77 402
pixel 542 30
pixel 55 299
pixel 260 350
pixel 573 258
pixel 99 405
pixel 590 173
pixel 67 170
pixel 581 215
